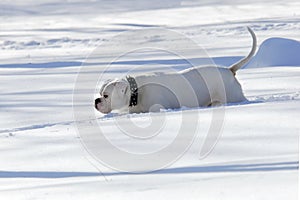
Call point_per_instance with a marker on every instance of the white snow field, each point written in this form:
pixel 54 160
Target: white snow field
pixel 43 47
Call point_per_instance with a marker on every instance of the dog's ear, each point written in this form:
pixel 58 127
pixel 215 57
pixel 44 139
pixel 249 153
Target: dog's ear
pixel 104 85
pixel 121 87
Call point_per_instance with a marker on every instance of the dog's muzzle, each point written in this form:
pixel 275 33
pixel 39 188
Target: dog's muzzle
pixel 98 100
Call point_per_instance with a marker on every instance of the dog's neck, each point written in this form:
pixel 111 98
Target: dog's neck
pixel 133 91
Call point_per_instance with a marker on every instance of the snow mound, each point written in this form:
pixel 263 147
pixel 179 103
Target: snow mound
pixel 276 52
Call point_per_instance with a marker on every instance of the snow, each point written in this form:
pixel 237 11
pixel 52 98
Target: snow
pixel 43 46
pixel 277 52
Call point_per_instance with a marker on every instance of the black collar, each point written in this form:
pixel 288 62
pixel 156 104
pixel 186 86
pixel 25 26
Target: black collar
pixel 133 91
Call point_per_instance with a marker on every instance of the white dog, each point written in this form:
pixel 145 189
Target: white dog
pixel 201 86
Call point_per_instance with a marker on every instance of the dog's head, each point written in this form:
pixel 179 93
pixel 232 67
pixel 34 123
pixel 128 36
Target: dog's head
pixel 114 94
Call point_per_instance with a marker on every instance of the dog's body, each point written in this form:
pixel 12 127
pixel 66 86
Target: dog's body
pixel 188 88
pixel 198 86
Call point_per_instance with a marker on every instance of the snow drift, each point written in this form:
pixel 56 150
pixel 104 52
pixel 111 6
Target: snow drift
pixel 277 52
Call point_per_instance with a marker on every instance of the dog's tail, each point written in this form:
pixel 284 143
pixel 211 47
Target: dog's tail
pixel 239 64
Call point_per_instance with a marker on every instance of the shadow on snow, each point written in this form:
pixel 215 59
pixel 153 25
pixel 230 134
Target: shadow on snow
pixel 260 167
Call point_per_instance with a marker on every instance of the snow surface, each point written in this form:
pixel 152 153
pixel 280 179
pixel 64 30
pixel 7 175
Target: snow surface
pixel 43 46
pixel 277 52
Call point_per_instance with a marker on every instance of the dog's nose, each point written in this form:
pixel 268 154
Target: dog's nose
pixel 97 101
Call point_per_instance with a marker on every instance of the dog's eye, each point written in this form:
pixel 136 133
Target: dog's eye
pixel 105 96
